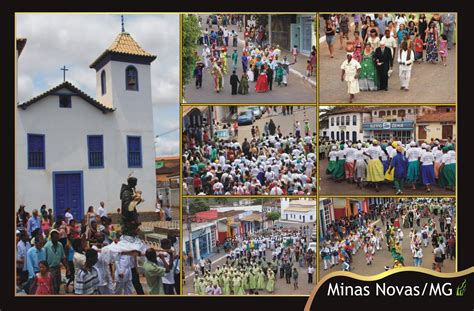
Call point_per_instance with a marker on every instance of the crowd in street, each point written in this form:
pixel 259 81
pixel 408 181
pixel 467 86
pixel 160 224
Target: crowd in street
pixel 268 163
pixel 372 162
pixel 57 252
pixel 247 270
pixel 257 62
pixel 430 220
pixel 385 39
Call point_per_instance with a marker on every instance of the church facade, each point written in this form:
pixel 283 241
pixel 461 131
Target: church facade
pixel 74 151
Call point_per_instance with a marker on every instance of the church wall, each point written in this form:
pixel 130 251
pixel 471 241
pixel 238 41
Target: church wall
pixel 66 131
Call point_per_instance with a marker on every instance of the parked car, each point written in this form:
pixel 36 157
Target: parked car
pixel 246 117
pixel 256 111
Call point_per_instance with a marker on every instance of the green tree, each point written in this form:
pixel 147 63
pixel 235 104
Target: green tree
pixel 198 205
pixel 273 216
pixel 190 35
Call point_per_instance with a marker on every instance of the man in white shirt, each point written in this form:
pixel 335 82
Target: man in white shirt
pixel 405 59
pixel 101 210
pixel 389 42
pixel 350 73
pixel 68 216
pixel 206 52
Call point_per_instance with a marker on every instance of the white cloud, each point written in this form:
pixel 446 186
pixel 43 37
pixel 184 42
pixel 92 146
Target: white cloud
pixel 76 40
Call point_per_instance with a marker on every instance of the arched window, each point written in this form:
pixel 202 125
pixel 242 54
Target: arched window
pixel 131 78
pixel 354 120
pixel 348 120
pixel 337 121
pixel 332 121
pixel 103 84
pixel 342 120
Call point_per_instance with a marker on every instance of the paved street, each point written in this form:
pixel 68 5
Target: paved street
pixel 383 258
pixel 430 83
pixel 300 113
pixel 281 288
pixel 328 186
pixel 298 90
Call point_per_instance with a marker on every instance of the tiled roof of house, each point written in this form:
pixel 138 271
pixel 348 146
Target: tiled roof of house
pixel 437 117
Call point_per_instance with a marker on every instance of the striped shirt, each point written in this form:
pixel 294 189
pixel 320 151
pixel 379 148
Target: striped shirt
pixel 86 282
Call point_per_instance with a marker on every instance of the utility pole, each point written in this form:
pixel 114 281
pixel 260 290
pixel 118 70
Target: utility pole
pixel 270 29
pixel 191 246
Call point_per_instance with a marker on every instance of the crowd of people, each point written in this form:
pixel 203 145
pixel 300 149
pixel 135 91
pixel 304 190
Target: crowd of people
pixel 258 62
pixel 429 220
pixel 268 163
pixel 384 39
pixel 255 263
pixel 373 162
pixel 55 252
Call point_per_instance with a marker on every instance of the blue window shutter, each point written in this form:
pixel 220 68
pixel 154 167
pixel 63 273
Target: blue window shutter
pixel 36 151
pixel 134 145
pixel 95 145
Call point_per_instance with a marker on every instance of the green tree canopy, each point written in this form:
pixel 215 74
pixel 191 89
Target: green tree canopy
pixel 273 215
pixel 190 35
pixel 198 205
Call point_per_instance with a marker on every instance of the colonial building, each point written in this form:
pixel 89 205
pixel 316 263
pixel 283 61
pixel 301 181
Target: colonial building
pixel 302 210
pixel 440 125
pixel 395 122
pixel 167 180
pixel 73 151
pixel 345 123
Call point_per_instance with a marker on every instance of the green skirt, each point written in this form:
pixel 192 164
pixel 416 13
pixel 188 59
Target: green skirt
pixel 448 176
pixel 413 174
pixel 331 167
pixel 338 172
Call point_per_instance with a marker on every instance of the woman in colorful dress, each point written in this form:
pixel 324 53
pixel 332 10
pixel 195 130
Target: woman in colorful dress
pixel 244 85
pixel 332 160
pixel 375 173
pixel 338 172
pixel 427 168
pixel 368 79
pixel 431 43
pixel 357 47
pixel 360 171
pixel 262 83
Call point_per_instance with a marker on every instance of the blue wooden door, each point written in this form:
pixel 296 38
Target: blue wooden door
pixel 68 193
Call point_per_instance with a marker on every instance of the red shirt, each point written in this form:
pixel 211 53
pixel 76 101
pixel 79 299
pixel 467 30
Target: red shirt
pixel 418 45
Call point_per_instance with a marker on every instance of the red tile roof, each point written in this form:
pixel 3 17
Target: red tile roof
pixel 437 117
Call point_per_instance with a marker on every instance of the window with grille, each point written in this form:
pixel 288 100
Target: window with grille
pixel 36 152
pixel 95 146
pixel 134 147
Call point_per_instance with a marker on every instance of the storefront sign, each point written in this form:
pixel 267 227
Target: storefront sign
pixel 400 126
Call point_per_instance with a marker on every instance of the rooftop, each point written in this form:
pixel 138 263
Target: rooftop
pixel 124 44
pixel 67 85
pixel 437 117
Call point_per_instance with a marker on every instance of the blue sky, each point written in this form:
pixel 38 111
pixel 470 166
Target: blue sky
pixel 76 40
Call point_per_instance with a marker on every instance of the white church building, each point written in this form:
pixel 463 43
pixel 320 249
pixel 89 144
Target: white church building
pixel 74 151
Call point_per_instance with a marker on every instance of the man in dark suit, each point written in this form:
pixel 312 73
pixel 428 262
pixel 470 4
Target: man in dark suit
pixel 383 61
